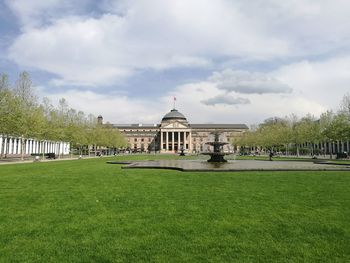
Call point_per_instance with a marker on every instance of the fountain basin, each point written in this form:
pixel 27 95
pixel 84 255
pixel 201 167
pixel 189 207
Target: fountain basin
pixel 231 166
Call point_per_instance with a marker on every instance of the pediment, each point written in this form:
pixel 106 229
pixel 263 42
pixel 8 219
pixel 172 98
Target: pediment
pixel 175 125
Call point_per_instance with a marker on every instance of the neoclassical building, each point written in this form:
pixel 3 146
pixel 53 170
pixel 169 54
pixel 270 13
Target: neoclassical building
pixel 11 146
pixel 174 133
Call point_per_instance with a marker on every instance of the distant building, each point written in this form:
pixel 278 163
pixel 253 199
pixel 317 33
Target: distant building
pixel 174 132
pixel 11 146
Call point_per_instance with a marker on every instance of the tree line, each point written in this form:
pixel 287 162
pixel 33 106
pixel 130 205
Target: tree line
pixel 306 135
pixel 21 115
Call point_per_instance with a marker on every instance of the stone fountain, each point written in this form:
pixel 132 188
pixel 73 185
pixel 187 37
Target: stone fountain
pixel 217 155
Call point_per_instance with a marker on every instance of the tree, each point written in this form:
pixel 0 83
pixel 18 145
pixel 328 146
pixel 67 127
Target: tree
pixel 326 127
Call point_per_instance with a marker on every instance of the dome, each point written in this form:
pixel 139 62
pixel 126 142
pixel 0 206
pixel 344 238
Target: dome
pixel 173 114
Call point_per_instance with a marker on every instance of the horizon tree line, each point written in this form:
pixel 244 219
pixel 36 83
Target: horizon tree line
pixel 329 133
pixel 22 115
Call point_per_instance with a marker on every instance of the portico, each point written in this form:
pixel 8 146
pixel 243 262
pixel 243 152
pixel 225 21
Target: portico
pixel 175 133
pixel 172 140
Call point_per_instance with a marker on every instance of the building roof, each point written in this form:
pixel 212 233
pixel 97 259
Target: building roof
pixel 193 126
pixel 136 125
pixel 218 126
pixel 174 114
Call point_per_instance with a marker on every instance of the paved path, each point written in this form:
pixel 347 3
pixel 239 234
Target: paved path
pixel 238 165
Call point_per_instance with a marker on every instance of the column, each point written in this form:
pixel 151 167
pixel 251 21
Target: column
pixel 1 140
pixel 29 146
pixel 190 142
pixel 172 140
pixel 10 146
pixel 185 140
pixel 26 147
pixel 5 145
pixel 167 141
pixel 15 144
pixel 19 146
pixel 178 140
pixel 161 140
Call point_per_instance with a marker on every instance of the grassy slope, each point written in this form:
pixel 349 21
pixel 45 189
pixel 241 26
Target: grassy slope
pixel 88 211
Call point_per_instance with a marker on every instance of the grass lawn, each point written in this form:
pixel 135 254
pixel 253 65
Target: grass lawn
pixel 89 211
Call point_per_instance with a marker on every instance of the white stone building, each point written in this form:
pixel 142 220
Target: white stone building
pixel 11 146
pixel 174 132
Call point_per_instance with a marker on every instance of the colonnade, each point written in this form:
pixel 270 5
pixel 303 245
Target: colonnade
pixel 331 147
pixel 174 140
pixel 10 145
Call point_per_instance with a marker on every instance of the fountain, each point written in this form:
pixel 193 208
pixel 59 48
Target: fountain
pixel 217 155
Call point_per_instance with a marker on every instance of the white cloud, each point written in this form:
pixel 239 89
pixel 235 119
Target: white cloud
pixel 113 107
pixel 248 82
pixel 117 108
pixel 191 96
pixel 101 50
pixel 36 13
pixel 324 81
pixel 136 35
pixel 226 100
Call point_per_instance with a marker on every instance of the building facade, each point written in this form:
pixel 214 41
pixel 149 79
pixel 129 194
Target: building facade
pixel 175 133
pixel 11 146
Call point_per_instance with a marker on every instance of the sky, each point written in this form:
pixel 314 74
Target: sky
pixel 225 61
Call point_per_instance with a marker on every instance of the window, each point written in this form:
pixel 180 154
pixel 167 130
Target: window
pixel 135 140
pixel 142 140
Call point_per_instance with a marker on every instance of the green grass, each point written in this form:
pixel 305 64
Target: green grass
pixel 89 211
pixel 288 158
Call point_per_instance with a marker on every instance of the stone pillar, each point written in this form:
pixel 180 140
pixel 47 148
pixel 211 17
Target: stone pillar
pixel 10 151
pixel 19 146
pixel 1 140
pixel 185 135
pixel 26 147
pixel 190 141
pixel 161 140
pixel 167 141
pixel 172 140
pixel 29 147
pixel 15 145
pixel 178 140
pixel 5 145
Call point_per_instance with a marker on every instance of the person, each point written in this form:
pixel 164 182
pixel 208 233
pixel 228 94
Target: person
pixel 270 155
